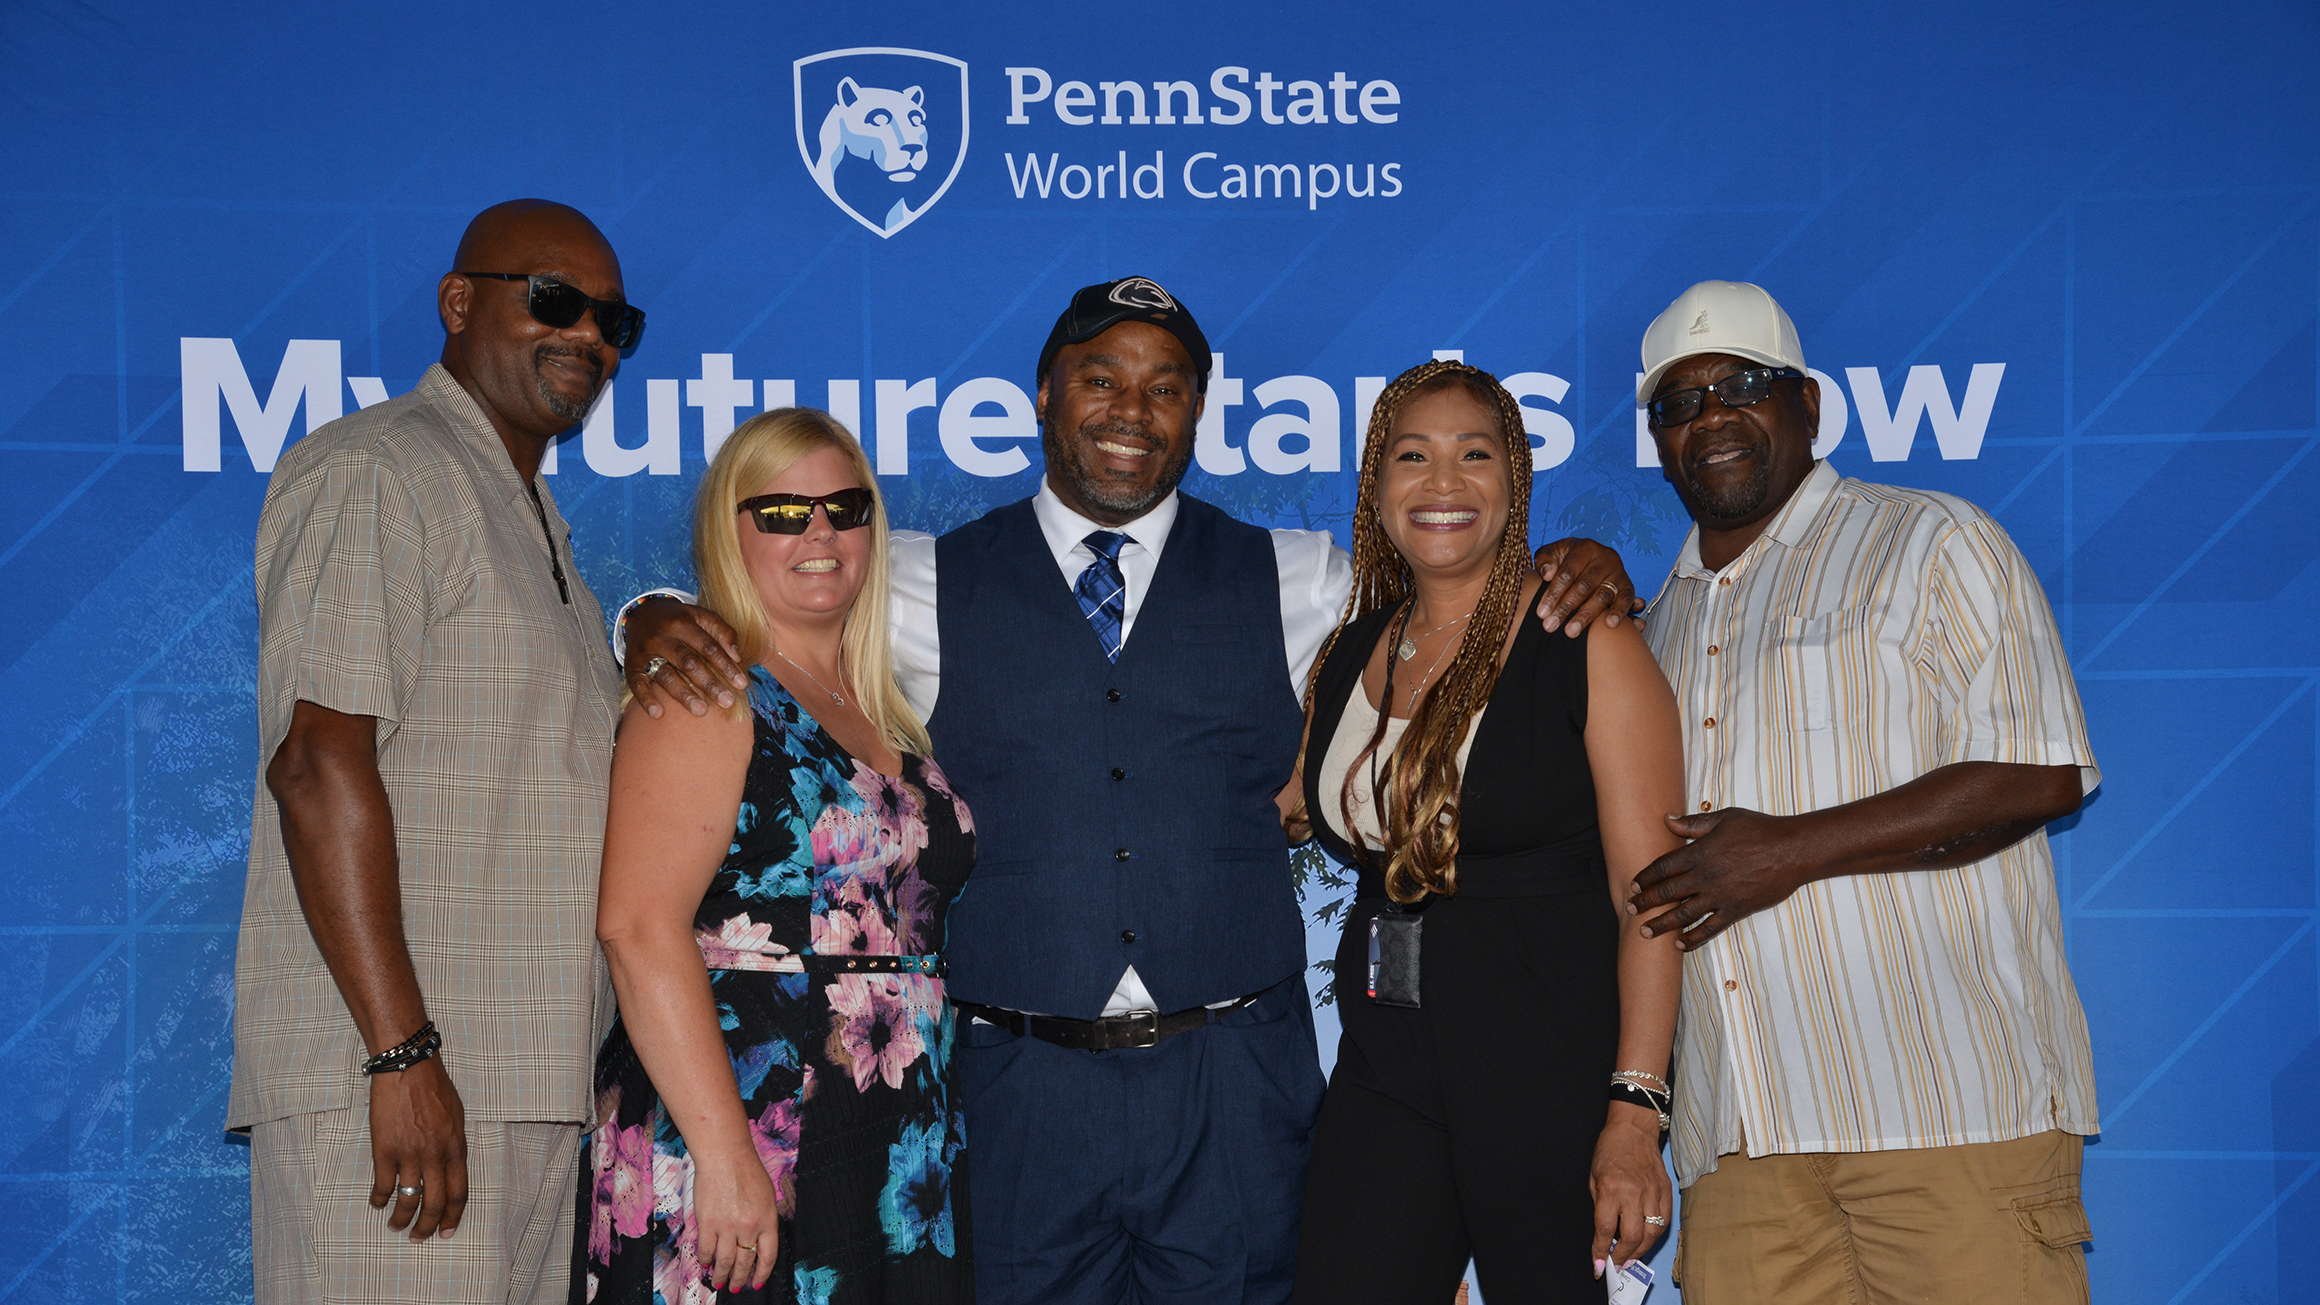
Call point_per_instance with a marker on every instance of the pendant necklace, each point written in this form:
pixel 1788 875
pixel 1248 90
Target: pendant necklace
pixel 1409 646
pixel 1427 678
pixel 835 696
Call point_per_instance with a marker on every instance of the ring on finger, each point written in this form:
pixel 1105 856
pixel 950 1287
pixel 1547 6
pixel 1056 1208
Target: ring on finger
pixel 655 667
pixel 1656 1220
pixel 407 1191
pixel 745 1246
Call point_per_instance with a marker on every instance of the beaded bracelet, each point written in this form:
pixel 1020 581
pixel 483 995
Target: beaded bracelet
pixel 410 1051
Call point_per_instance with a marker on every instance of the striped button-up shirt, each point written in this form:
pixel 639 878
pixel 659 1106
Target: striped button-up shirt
pixel 1868 636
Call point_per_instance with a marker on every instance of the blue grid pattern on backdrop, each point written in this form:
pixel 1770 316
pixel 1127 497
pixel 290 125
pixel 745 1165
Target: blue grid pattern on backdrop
pixel 2121 208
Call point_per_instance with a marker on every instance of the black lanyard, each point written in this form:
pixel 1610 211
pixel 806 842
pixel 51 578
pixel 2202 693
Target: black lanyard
pixel 555 564
pixel 1386 712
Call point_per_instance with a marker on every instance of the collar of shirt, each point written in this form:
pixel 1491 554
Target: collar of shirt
pixel 1789 526
pixel 468 418
pixel 1066 532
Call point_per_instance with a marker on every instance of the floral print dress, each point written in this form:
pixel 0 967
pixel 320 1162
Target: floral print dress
pixel 846 1078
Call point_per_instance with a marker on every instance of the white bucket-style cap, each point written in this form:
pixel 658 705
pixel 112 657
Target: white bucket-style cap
pixel 1731 317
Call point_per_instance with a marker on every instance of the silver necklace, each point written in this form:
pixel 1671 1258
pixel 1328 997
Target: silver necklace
pixel 1409 646
pixel 835 696
pixel 1420 686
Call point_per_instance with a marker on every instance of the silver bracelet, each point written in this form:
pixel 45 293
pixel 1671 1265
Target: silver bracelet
pixel 1644 1080
pixel 1626 1089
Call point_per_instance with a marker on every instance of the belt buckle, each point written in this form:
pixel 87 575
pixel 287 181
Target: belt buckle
pixel 1143 1026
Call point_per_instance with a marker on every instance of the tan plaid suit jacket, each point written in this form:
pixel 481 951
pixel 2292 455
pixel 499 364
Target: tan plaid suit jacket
pixel 402 573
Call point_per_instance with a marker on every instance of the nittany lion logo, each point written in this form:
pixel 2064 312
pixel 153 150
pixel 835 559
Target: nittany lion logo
pixel 886 127
pixel 880 130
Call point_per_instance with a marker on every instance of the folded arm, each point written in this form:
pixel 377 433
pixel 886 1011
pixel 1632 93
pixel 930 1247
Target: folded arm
pixel 1741 861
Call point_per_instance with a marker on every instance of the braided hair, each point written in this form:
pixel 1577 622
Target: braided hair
pixel 1418 798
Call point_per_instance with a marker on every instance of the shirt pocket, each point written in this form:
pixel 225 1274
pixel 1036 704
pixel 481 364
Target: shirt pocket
pixel 1827 662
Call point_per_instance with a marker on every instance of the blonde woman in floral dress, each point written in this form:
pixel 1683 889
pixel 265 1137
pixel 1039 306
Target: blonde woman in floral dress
pixel 776 1110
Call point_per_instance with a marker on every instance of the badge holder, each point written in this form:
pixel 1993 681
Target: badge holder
pixel 1395 935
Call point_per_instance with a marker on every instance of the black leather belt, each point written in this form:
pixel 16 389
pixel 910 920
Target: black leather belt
pixel 1141 1028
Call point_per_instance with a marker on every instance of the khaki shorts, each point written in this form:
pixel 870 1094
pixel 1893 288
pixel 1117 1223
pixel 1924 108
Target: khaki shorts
pixel 1988 1223
pixel 315 1237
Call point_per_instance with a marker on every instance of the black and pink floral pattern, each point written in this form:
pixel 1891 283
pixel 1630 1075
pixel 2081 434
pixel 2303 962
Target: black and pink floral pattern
pixel 846 1078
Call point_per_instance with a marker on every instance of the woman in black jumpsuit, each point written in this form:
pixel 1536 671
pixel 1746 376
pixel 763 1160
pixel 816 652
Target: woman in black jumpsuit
pixel 1477 1124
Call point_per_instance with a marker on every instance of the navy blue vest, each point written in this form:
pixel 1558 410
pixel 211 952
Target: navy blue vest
pixel 1123 813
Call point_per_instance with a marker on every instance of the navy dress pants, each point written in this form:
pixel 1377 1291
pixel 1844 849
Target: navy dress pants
pixel 1165 1175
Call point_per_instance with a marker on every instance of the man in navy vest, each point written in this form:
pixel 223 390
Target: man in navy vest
pixel 1111 672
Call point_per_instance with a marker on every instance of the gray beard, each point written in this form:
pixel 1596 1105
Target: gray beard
pixel 1735 501
pixel 563 407
pixel 1126 500
pixel 558 404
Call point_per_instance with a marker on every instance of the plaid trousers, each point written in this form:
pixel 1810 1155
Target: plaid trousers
pixel 315 1237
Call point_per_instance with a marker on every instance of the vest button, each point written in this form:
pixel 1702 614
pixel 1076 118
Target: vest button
pixel 1111 695
pixel 1127 935
pixel 1118 773
pixel 1121 855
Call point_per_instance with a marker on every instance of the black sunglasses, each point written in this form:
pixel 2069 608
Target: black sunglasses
pixel 1738 390
pixel 790 514
pixel 556 304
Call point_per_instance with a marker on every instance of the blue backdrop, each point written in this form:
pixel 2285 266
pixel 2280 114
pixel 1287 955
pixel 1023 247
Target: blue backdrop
pixel 2066 265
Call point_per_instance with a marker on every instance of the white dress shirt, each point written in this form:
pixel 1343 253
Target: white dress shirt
pixel 1316 579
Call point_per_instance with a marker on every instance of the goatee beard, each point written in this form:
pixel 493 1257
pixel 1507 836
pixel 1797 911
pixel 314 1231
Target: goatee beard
pixel 1731 502
pixel 1128 500
pixel 558 403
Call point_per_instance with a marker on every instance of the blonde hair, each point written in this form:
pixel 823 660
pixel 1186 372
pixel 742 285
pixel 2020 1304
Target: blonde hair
pixel 758 450
pixel 1419 785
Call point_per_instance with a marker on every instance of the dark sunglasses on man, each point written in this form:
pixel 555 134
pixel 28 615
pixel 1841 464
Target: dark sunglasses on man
pixel 556 304
pixel 1739 390
pixel 790 514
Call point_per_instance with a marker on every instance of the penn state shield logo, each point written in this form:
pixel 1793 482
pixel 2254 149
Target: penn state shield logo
pixel 882 130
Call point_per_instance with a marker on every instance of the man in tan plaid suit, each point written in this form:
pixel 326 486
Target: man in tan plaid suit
pixel 436 705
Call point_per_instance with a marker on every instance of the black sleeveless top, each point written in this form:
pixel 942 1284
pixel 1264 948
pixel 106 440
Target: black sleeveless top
pixel 1526 801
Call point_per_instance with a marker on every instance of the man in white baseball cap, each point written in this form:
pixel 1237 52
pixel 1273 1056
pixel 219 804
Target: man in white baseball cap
pixel 1883 1078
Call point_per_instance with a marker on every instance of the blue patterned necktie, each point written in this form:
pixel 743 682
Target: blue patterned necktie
pixel 1102 591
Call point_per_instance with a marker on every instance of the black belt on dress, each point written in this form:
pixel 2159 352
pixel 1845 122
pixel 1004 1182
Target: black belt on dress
pixel 1546 873
pixel 840 963
pixel 1135 1029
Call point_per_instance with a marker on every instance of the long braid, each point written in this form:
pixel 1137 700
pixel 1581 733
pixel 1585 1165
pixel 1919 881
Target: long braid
pixel 1421 819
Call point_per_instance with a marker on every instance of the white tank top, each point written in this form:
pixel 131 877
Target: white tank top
pixel 1353 730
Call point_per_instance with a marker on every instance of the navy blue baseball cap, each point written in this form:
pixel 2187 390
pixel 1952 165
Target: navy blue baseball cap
pixel 1098 308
